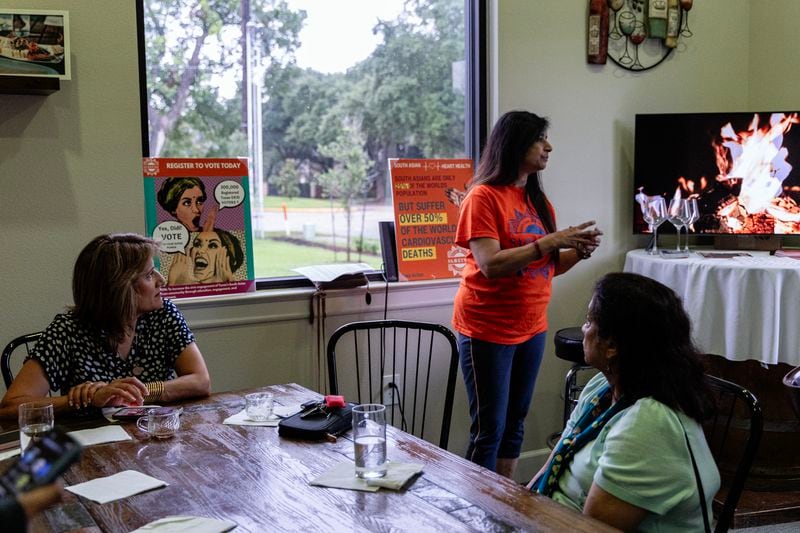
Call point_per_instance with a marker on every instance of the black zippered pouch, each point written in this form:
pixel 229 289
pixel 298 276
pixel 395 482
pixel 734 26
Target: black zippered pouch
pixel 319 424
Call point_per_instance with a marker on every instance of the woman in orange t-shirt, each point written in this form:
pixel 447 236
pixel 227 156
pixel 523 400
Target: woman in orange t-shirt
pixel 500 311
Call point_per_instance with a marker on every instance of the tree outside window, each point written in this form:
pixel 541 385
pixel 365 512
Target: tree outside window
pixel 324 134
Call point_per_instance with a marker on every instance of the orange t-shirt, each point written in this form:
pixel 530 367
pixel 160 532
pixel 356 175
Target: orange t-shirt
pixel 511 309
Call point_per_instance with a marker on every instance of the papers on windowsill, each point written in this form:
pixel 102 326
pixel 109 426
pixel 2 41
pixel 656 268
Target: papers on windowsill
pixel 278 412
pixel 186 524
pixel 327 273
pixel 343 476
pixel 5 454
pixel 117 486
pixel 103 434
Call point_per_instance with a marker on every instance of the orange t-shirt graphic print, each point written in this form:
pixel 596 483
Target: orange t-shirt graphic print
pixel 529 224
pixel 511 309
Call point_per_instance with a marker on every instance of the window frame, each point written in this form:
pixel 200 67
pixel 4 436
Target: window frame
pixel 476 116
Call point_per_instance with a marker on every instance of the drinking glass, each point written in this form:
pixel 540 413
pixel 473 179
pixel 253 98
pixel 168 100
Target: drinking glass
pixel 35 419
pixel 677 217
pixel 615 6
pixel 161 422
pixel 627 24
pixel 654 212
pixel 692 214
pixel 686 5
pixel 637 37
pixel 258 406
pixel 369 438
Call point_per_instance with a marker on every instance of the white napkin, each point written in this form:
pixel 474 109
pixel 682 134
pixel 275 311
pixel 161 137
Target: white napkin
pixel 343 476
pixel 186 524
pixel 278 412
pixel 117 486
pixel 88 437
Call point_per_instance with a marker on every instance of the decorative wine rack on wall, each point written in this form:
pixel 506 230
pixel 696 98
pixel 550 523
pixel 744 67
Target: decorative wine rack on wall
pixel 641 33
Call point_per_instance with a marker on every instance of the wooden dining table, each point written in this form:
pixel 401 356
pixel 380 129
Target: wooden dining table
pixel 251 476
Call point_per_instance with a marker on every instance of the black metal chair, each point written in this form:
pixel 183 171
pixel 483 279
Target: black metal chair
pixel 569 347
pixel 26 341
pixel 408 366
pixel 733 435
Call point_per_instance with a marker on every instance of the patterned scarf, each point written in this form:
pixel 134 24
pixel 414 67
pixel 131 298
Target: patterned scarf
pixel 596 413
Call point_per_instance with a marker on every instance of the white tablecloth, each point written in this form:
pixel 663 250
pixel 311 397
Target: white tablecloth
pixel 741 308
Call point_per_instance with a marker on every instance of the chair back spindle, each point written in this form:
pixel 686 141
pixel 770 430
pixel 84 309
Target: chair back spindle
pixel 733 435
pixel 411 364
pixel 21 346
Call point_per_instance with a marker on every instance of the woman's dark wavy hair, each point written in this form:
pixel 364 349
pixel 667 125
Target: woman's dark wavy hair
pixel 103 282
pixel 656 356
pixel 235 252
pixel 171 190
pixel 504 153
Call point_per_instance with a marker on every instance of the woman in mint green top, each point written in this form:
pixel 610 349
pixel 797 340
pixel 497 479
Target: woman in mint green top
pixel 623 457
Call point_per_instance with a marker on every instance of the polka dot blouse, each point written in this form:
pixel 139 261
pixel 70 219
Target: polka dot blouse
pixel 71 353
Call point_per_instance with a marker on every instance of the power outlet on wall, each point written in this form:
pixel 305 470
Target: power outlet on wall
pixel 390 394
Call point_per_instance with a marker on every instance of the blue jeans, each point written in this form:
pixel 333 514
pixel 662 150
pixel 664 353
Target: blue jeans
pixel 499 380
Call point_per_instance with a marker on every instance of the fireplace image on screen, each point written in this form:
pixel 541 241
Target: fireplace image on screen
pixel 741 167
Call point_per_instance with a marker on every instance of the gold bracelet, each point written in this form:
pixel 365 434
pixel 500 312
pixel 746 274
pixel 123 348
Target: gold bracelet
pixel 155 389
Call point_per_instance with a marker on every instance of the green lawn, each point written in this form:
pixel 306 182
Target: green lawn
pixel 276 258
pixel 276 201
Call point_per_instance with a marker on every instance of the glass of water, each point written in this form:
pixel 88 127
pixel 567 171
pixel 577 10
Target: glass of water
pixel 35 419
pixel 258 406
pixel 369 437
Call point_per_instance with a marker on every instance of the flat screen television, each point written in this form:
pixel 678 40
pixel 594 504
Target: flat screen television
pixel 741 167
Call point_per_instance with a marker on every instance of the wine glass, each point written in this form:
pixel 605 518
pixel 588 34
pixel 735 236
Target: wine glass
pixel 615 6
pixel 627 23
pixel 692 214
pixel 677 214
pixel 654 212
pixel 686 5
pixel 637 37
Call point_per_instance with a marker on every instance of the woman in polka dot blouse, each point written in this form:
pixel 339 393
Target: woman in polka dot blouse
pixel 120 344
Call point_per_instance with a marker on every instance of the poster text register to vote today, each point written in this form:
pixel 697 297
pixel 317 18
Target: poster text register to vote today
pixel 426 194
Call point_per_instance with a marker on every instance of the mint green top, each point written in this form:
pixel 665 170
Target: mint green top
pixel 640 456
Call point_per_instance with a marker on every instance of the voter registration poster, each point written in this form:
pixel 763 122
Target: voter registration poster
pixel 426 195
pixel 199 212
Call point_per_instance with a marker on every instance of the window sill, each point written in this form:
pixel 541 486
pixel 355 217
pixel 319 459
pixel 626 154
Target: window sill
pixel 283 305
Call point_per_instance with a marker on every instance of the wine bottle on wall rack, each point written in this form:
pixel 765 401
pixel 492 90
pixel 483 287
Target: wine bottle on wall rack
pixel 597 46
pixel 673 23
pixel 657 19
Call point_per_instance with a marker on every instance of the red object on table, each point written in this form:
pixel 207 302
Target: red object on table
pixel 334 401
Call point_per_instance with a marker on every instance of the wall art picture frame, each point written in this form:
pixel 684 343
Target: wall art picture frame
pixel 34 43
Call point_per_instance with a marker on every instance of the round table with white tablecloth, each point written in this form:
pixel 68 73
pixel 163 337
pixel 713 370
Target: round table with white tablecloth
pixel 742 307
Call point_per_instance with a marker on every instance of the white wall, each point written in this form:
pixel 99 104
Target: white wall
pixel 774 72
pixel 69 163
pixel 70 169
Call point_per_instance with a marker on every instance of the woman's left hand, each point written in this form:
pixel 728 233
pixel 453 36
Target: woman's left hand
pixel 81 395
pixel 222 267
pixel 128 391
pixel 180 270
pixel 581 235
pixel 585 251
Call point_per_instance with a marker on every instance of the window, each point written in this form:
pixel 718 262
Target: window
pixel 317 94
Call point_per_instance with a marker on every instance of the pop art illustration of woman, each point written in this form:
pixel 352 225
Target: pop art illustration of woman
pixel 213 256
pixel 183 198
